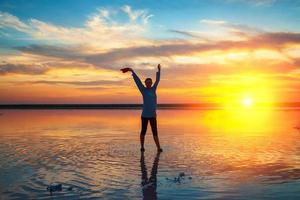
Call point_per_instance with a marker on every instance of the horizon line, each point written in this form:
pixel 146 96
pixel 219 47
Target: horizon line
pixel 283 105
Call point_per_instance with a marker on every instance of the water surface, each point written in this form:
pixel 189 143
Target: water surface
pixel 220 154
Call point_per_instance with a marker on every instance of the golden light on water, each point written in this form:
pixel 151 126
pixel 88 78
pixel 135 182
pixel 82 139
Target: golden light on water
pixel 247 102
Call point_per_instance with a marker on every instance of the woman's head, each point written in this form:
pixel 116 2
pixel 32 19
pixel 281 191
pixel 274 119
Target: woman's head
pixel 148 82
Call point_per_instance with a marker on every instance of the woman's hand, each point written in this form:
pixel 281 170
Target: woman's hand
pixel 126 69
pixel 158 67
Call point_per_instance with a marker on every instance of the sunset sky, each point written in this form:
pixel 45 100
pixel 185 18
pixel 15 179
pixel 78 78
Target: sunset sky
pixel 71 51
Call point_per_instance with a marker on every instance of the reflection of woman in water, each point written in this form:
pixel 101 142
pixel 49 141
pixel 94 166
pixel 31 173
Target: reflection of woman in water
pixel 149 185
pixel 149 106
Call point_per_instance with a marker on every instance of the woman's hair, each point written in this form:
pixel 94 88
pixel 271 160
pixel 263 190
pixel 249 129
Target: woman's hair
pixel 148 79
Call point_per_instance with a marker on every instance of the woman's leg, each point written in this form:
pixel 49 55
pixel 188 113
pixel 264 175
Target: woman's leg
pixel 153 124
pixel 143 132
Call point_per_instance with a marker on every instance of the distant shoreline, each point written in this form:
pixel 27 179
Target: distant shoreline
pixel 105 106
pixel 184 106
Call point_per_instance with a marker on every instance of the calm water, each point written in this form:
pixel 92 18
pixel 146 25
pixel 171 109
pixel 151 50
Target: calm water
pixel 243 154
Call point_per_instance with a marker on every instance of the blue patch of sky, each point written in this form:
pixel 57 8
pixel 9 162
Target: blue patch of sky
pixel 179 14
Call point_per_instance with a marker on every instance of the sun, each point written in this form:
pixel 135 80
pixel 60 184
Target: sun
pixel 247 102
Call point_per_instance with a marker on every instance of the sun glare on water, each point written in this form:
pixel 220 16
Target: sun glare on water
pixel 247 102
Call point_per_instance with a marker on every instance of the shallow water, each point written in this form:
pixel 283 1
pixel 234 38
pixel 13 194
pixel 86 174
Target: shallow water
pixel 241 154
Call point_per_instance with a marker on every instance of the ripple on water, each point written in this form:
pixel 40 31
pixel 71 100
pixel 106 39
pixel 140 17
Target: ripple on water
pixel 103 161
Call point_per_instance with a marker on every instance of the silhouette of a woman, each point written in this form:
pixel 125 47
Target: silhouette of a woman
pixel 149 105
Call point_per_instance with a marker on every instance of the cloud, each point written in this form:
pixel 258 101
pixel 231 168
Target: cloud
pixel 99 28
pixel 101 88
pixel 114 55
pixel 9 21
pixel 233 27
pixel 78 83
pixel 265 40
pixel 8 68
pixel 263 2
pixel 95 43
pixel 213 22
pixel 101 34
pixel 243 28
pixel 279 38
pixel 66 52
pixel 185 33
pixel 134 15
pixel 254 2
